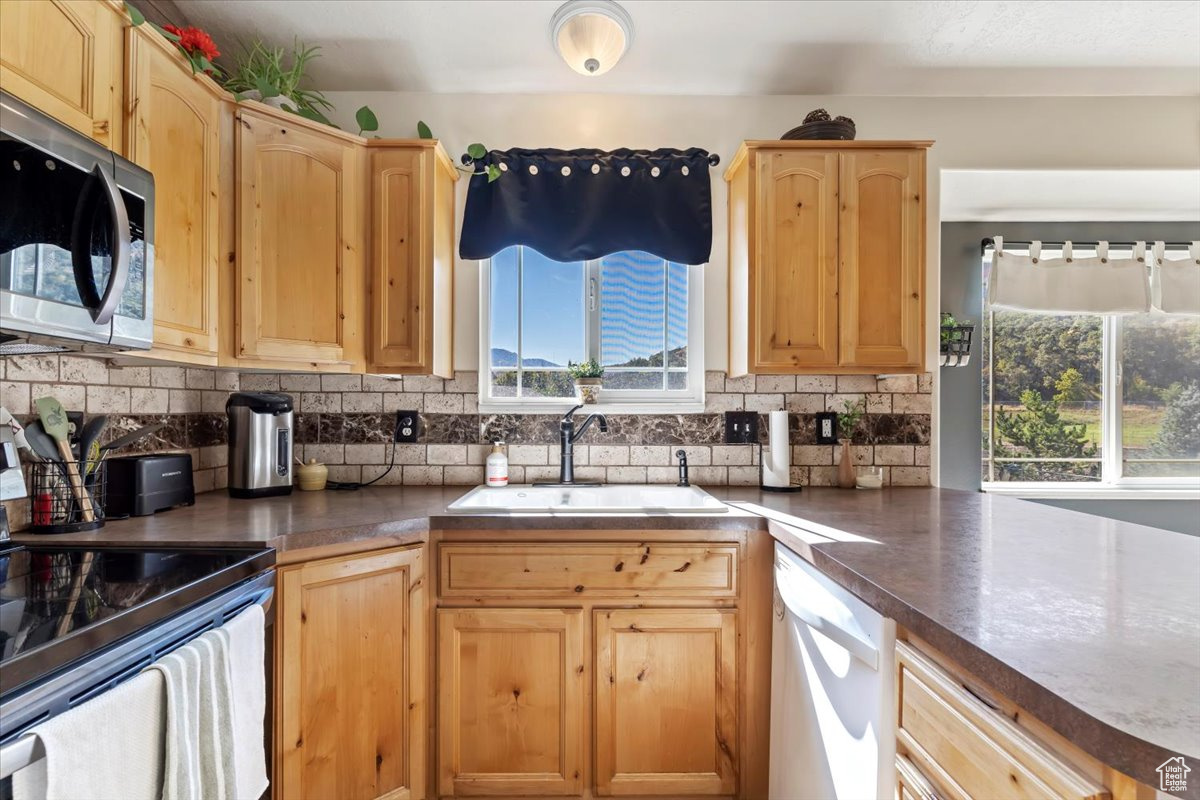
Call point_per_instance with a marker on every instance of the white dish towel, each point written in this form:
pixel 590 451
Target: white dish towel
pixel 109 748
pixel 246 635
pixel 181 673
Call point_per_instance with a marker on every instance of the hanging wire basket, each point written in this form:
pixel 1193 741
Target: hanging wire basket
pixel 956 345
pixel 56 502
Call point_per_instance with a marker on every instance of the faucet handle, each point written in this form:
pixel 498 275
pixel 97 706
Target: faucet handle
pixel 571 413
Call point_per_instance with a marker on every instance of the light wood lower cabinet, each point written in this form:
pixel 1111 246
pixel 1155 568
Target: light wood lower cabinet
pixel 510 702
pixel 666 701
pixel 955 746
pixel 351 705
pixel 64 58
pixel 618 666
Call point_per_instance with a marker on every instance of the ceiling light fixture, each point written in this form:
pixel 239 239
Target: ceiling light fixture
pixel 591 35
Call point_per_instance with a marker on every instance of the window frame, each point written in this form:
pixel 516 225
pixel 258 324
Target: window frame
pixel 626 401
pixel 1113 483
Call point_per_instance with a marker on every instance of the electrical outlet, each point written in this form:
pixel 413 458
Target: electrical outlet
pixel 826 427
pixel 741 427
pixel 408 427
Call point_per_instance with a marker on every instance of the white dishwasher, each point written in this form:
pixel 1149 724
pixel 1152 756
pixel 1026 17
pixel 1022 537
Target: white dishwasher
pixel 832 678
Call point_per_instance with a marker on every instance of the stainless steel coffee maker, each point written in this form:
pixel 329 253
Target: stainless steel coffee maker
pixel 260 444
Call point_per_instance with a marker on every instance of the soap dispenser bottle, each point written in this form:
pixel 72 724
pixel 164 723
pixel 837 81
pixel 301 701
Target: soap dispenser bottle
pixel 497 466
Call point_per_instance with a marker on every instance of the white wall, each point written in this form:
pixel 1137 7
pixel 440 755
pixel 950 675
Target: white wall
pixel 971 133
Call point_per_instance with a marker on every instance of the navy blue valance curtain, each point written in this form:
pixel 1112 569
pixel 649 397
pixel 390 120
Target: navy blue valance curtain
pixel 576 205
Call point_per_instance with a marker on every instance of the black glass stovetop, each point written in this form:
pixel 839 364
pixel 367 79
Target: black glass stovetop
pixel 59 604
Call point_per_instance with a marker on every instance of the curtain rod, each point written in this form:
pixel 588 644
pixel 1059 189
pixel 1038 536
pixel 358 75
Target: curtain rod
pixel 713 159
pixel 988 241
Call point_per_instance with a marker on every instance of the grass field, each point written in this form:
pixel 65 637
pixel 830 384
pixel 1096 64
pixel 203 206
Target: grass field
pixel 1139 426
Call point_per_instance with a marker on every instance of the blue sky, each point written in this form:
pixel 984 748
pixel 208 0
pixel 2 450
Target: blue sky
pixel 554 318
pixel 553 324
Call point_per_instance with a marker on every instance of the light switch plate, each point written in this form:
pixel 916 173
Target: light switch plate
pixel 741 427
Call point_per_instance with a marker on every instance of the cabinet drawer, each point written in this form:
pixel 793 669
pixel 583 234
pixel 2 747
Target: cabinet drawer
pixel 969 749
pixel 608 570
pixel 911 784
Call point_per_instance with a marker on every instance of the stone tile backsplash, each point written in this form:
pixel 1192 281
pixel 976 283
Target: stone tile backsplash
pixel 190 401
pixel 346 421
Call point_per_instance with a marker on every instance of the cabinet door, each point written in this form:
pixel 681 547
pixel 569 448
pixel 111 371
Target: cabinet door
pixel 510 702
pixel 174 132
pixel 793 277
pixel 882 271
pixel 298 244
pixel 412 215
pixel 351 693
pixel 666 702
pixel 64 57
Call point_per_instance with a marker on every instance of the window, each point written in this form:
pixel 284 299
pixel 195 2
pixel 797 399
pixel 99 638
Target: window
pixel 636 314
pixel 1107 401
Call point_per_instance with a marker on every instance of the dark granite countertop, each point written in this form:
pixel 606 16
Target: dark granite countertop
pixel 1092 625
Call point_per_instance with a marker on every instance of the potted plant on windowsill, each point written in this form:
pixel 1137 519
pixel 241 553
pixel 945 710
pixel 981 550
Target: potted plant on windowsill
pixel 587 376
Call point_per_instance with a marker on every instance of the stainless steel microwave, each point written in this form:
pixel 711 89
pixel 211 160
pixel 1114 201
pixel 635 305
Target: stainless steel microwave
pixel 76 240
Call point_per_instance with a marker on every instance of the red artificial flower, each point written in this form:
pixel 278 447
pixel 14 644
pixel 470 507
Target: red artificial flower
pixel 194 41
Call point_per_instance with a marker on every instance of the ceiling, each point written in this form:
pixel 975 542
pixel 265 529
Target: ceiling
pixel 752 47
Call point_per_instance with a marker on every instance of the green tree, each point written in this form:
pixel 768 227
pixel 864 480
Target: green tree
pixel 1038 429
pixel 1072 388
pixel 1179 436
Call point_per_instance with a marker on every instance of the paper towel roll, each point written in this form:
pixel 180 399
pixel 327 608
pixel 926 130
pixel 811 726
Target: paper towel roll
pixel 777 461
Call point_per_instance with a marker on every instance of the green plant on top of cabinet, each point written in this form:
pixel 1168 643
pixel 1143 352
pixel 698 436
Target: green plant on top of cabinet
pixel 827 257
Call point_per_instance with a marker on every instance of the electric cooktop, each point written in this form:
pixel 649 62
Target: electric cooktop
pixel 60 604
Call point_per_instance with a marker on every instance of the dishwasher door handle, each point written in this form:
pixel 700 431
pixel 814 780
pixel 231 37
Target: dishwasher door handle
pixel 793 584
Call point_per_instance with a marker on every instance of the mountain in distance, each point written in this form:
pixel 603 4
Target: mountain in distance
pixel 507 358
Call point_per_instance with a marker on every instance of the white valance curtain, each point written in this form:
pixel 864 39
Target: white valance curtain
pixel 1175 282
pixel 1099 284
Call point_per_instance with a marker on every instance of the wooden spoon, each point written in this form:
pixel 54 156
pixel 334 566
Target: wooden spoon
pixel 54 420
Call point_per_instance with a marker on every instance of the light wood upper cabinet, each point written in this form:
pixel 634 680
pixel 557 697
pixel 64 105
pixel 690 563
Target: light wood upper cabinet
pixel 510 702
pixel 881 241
pixel 64 57
pixel 350 699
pixel 827 257
pixel 300 289
pixel 666 701
pixel 794 314
pixel 174 131
pixel 412 270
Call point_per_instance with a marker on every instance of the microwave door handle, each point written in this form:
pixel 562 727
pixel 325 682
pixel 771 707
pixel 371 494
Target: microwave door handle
pixel 101 308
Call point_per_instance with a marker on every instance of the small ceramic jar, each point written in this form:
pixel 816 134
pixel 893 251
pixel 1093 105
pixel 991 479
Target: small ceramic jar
pixel 311 477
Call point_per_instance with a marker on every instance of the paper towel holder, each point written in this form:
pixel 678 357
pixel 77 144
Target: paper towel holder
pixel 794 487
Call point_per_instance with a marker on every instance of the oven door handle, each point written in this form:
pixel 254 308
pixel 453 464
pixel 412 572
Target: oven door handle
pixel 101 308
